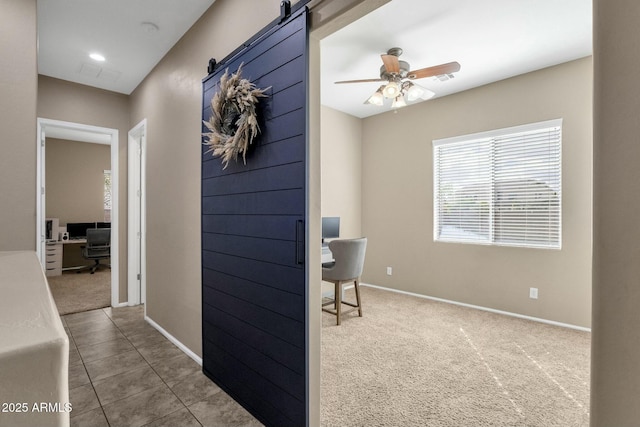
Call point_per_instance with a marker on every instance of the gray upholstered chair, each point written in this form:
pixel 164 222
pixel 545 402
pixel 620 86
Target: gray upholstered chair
pixel 347 268
pixel 98 247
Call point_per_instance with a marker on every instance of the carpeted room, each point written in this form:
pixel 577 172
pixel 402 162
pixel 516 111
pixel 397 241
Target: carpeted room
pixel 390 193
pixel 78 184
pixel 410 359
pixel 75 293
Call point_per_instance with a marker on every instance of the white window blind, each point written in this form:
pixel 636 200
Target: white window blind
pixel 107 196
pixel 501 187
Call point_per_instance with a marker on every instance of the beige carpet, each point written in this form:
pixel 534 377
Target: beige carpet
pixel 416 362
pixel 75 292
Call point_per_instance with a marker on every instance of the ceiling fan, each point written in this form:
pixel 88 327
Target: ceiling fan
pixel 398 77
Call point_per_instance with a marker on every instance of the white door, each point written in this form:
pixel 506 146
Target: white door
pixel 48 128
pixel 40 227
pixel 136 249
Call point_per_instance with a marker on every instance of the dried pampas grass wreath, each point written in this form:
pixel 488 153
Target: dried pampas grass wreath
pixel 234 120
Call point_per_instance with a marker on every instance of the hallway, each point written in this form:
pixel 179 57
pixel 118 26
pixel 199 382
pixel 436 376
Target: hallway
pixel 123 372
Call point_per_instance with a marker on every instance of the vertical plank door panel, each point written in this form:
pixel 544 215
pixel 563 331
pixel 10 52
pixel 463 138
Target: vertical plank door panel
pixel 253 273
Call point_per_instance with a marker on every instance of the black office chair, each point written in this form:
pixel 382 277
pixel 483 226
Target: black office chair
pixel 98 247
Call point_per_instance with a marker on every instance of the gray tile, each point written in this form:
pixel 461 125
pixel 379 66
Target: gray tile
pixel 129 322
pixel 146 338
pixel 91 353
pixel 175 368
pixel 136 327
pixel 93 418
pixel 142 408
pixel 91 326
pixel 85 317
pixel 97 336
pixel 182 418
pixel 128 313
pixel 74 356
pixel 158 351
pixel 115 365
pixel 220 410
pixel 126 384
pixel 194 388
pixel 83 399
pixel 63 320
pixel 77 376
pixel 121 312
pixel 133 393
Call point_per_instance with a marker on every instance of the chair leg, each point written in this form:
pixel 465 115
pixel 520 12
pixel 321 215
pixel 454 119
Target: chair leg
pixel 357 288
pixel 95 266
pixel 338 298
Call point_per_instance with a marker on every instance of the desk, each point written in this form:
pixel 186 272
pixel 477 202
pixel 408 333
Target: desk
pixel 55 254
pixel 65 244
pixel 53 258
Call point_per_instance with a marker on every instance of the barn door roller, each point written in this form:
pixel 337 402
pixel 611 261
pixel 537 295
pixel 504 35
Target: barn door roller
pixel 285 10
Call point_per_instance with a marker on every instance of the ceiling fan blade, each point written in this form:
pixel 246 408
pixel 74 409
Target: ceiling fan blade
pixel 360 81
pixel 450 67
pixel 391 63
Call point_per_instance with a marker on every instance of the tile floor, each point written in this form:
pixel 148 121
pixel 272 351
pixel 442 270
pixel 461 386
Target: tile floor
pixel 123 372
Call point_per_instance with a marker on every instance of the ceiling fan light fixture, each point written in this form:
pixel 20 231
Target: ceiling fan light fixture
pixel 377 98
pixel 414 92
pixel 391 90
pixel 427 94
pixel 399 102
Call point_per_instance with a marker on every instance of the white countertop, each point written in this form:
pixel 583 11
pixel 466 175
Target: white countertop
pixel 34 348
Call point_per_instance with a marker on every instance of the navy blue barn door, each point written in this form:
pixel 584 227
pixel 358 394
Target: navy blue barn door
pixel 253 238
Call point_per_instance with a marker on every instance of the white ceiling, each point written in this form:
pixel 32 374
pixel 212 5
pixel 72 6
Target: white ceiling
pixel 69 30
pixel 491 39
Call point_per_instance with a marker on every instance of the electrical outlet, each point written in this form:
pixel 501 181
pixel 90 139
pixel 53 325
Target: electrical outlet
pixel 533 293
pixel 389 271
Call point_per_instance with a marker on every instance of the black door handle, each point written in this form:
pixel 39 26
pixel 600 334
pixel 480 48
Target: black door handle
pixel 300 242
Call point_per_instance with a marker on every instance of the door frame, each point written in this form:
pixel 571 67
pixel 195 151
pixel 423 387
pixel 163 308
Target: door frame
pixel 49 128
pixel 136 189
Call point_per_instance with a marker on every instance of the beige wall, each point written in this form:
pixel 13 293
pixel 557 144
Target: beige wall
pixel 341 153
pixel 397 211
pixel 71 102
pixel 75 186
pixel 18 89
pixel 75 180
pixel 615 371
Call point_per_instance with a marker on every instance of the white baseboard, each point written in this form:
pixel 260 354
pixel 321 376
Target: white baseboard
pixel 121 304
pixel 477 307
pixel 173 339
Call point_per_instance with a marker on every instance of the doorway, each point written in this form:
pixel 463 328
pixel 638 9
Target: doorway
pixel 47 128
pixel 136 242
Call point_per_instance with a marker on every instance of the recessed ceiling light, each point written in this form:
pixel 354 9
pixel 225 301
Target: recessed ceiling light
pixel 97 57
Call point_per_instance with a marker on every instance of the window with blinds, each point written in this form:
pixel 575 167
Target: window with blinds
pixel 107 196
pixel 500 187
